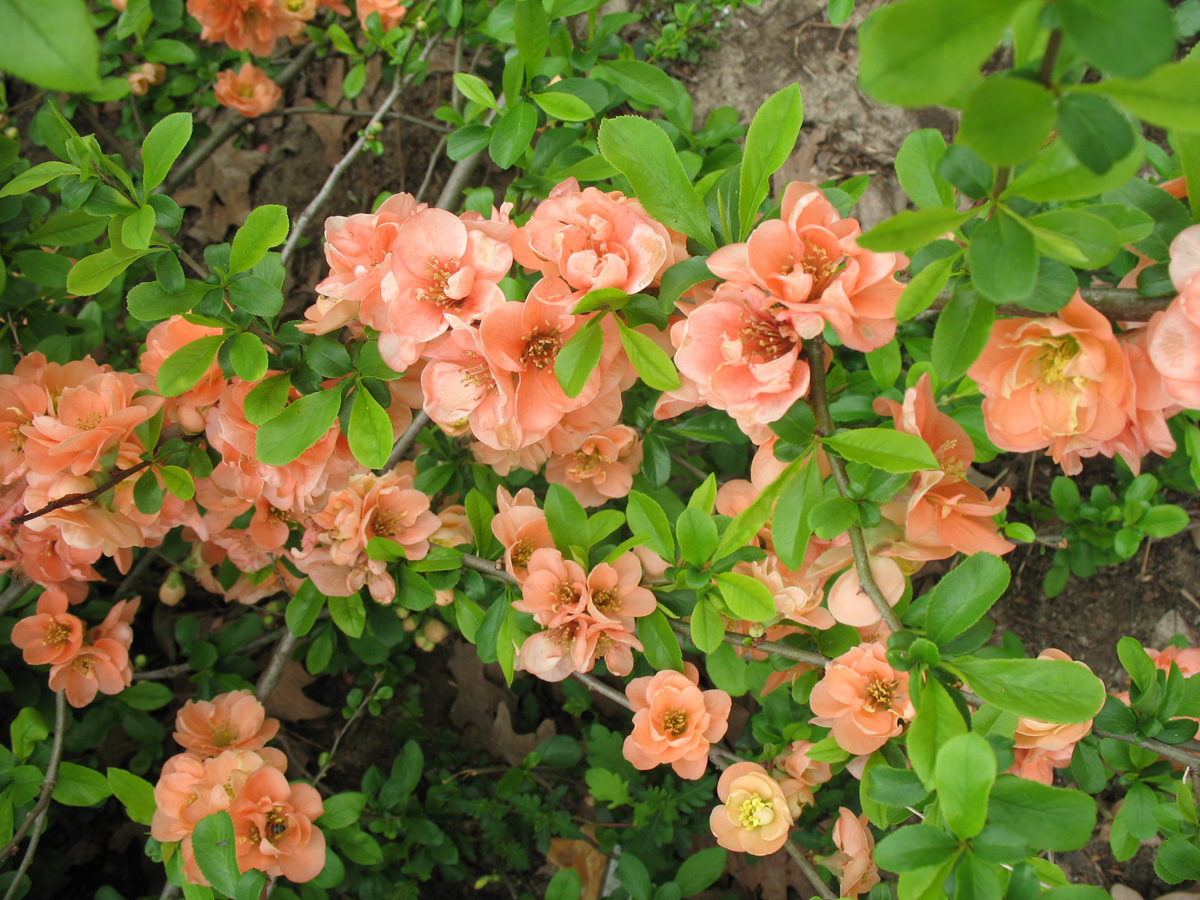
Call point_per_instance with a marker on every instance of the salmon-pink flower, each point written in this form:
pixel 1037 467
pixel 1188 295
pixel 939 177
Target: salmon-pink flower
pixel 1174 346
pixel 1148 406
pixel 592 240
pixel 807 773
pixel 554 589
pixel 520 527
pixel 674 721
pixel 1038 763
pixel 232 721
pixel 102 667
pixel 797 597
pixel 162 341
pixel 862 699
pixel 454 528
pixel 614 591
pixel 1051 736
pixel 252 25
pixel 250 91
pixel 446 275
pixel 463 388
pixel 1057 382
pixel 853 863
pixel 851 605
pixel 190 788
pixel 391 12
pixel 755 817
pixel 1187 658
pixel 273 822
pixel 810 262
pixel 742 357
pixel 602 469
pixel 1185 257
pixel 51 636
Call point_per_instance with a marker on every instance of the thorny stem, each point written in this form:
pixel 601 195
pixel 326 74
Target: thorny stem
pixel 37 816
pixel 352 154
pixel 814 349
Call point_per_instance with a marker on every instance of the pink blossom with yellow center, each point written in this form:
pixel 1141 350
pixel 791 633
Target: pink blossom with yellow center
pixel 253 25
pixel 50 637
pixel 674 722
pixel 854 863
pixel 1174 345
pixel 602 469
pixel 520 527
pixel 464 389
pixel 232 721
pixel 862 699
pixel 807 773
pixel 102 667
pixel 554 590
pixel 250 91
pixel 754 817
pixel 614 591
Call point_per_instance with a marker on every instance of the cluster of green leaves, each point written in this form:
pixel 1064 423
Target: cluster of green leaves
pixel 1108 527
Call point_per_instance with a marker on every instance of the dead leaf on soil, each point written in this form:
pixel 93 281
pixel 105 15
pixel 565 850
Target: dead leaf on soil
pixel 773 875
pixel 585 859
pixel 289 702
pixel 331 129
pixel 221 191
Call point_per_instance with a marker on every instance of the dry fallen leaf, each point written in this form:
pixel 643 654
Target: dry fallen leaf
pixel 289 702
pixel 329 128
pixel 584 859
pixel 221 191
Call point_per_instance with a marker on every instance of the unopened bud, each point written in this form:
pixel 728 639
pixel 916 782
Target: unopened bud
pixel 423 643
pixel 172 589
pixel 410 624
pixel 402 613
pixel 756 630
pixel 436 630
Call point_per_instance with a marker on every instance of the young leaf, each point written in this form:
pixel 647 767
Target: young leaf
pixel 651 362
pixel 917 168
pixel 708 626
pixel 769 142
pixel 214 843
pixel 1007 119
pixel 304 608
pixel 912 228
pixel 476 89
pixel 267 399
pixel 50 43
pixel 747 598
pixel 264 228
pixel 1003 260
pixel 961 333
pixel 162 147
pixel 566 518
pixel 136 794
pixel 1049 818
pixel 182 369
pixel 513 134
pixel 370 431
pixel 284 437
pixel 661 648
pixel 578 357
pixel 964 595
pixel 348 614
pixel 248 356
pixel 1053 690
pixel 36 176
pixel 964 774
pixel 883 448
pixel 647 519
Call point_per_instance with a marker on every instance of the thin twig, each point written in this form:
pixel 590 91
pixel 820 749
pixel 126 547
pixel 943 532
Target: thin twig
pixel 814 349
pixel 344 730
pixel 36 817
pixel 810 873
pixel 402 446
pixel 360 114
pixel 739 640
pixel 274 670
pixel 14 592
pixel 1184 757
pixel 167 672
pixel 603 689
pixel 229 125
pixel 352 154
pixel 487 567
pixel 123 589
pixel 1118 304
pixel 429 169
pixel 118 476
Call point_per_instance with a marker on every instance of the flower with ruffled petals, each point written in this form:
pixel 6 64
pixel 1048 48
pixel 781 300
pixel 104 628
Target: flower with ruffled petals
pixel 273 822
pixel 853 863
pixel 232 721
pixel 862 699
pixel 674 721
pixel 602 469
pixel 51 636
pixel 521 528
pixel 250 91
pixel 253 25
pixel 754 818
pixel 102 667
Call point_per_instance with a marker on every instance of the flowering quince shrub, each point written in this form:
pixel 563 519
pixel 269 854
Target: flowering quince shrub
pixel 650 427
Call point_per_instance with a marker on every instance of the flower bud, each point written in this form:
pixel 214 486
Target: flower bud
pixel 436 631
pixel 410 624
pixel 172 589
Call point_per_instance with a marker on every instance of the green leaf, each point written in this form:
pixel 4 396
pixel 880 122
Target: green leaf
pixel 697 534
pixel 348 614
pixel 964 774
pixel 476 89
pixel 679 278
pixel 38 175
pixel 283 438
pixel 1053 690
pixel 147 695
pixel 647 519
pixel 746 524
pixel 370 432
pixel 894 787
pixel 162 147
pixel 1188 153
pixel 513 134
pixel 151 302
pixel 94 273
pixel 924 287
pixel 578 357
pixel 1075 237
pixel 962 596
pixel 182 369
pixel 833 517
pixel 148 494
pixel 26 730
pixel 1056 174
pixel 661 648
pixel 564 107
pixel 747 598
pixel 883 448
pixel 914 847
pixel 769 142
pixel 790 531
pixel 67 228
pixel 962 331
pixel 1003 260
pixel 566 883
pixel 267 400
pixel 214 844
pixel 1178 860
pixel 633 876
pixel 1127 38
pixel 643 153
pixel 707 626
pixel 137 794
pixel 80 786
pixel 938 720
pixel 248 356
pixel 1049 818
pixel 912 228
pixel 647 83
pixel 532 29
pixel 178 481
pixel 304 608
pixel 925 52
pixel 137 228
pixel 1007 119
pixel 342 810
pixel 566 518
pixel 700 870
pixel 917 168
pixel 1095 130
pixel 264 228
pixel 651 362
pixel 50 43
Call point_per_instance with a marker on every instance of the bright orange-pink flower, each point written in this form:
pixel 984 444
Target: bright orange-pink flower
pixel 51 636
pixel 253 25
pixel 674 721
pixel 250 91
pixel 853 863
pixel 602 469
pixel 232 721
pixel 862 699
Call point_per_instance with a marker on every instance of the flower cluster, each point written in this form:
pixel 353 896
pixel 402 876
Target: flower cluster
pixel 226 766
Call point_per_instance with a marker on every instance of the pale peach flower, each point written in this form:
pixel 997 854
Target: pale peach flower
pixel 592 240
pixel 797 597
pixel 1038 763
pixel 754 817
pixel 102 667
pixel 810 262
pixel 1187 658
pixel 602 469
pixel 1185 257
pixel 520 527
pixel 455 528
pixel 862 699
pixel 273 822
pixel 807 773
pixel 1174 346
pixel 505 462
pixel 851 605
pixel 190 788
pixel 614 591
pixel 554 588
pixel 253 25
pixel 51 636
pixel 1057 383
pixel 232 721
pixel 853 863
pixel 145 76
pixel 163 340
pixel 391 12
pixel 674 721
pixel 251 91
pixel 464 389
